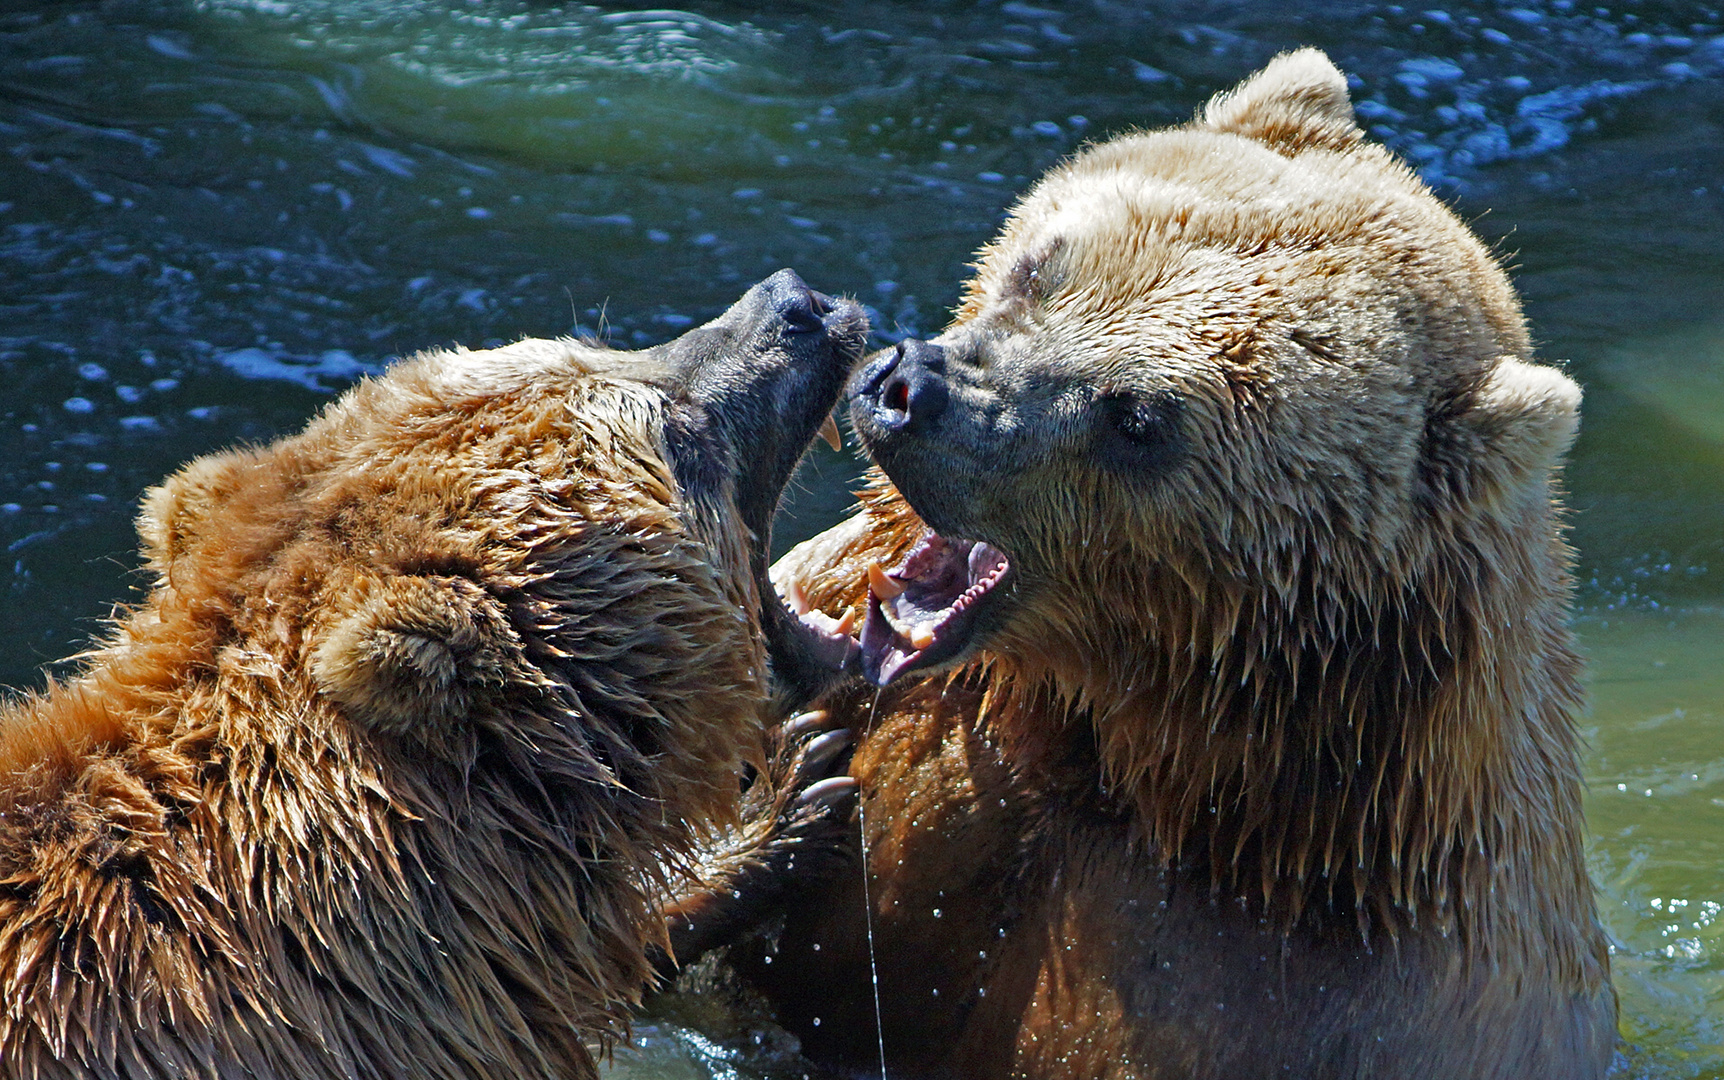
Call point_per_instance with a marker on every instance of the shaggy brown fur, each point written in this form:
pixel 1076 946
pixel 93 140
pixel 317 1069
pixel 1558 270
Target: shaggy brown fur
pixel 377 780
pixel 1266 764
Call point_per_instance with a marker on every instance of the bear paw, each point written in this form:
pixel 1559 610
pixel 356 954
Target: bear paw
pixel 798 829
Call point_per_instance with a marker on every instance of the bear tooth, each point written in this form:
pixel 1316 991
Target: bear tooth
pixel 922 637
pixel 847 623
pixel 829 432
pixel 884 587
pixel 796 598
pixel 900 626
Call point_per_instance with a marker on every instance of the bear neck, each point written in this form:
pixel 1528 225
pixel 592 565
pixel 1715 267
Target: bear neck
pixel 1398 753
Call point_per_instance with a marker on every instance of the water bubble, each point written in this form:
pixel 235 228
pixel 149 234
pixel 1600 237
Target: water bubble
pixel 78 405
pixel 92 372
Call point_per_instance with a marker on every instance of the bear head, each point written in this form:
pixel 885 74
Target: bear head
pixel 550 549
pixel 1237 450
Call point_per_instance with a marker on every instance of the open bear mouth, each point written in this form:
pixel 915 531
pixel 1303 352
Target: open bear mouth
pixel 924 611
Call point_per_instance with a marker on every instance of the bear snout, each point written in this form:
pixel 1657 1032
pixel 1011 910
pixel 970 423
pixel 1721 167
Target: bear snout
pixel 903 390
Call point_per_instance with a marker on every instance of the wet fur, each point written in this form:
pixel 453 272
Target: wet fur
pixel 377 779
pixel 1271 767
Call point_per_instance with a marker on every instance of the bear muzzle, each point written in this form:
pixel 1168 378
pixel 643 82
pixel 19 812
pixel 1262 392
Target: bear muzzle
pixel 902 389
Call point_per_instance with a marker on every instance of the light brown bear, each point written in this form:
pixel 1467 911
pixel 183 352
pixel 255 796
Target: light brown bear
pixel 377 780
pixel 1228 721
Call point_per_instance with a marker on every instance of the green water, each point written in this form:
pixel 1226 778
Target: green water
pixel 213 214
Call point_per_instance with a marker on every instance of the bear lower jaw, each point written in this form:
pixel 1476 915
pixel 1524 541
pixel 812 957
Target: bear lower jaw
pixel 924 612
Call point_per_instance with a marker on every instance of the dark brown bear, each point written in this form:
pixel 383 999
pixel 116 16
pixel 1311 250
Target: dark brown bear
pixel 381 778
pixel 1228 721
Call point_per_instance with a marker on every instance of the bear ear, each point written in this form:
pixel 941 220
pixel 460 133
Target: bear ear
pixel 410 655
pixel 1528 413
pixel 1298 102
pixel 173 513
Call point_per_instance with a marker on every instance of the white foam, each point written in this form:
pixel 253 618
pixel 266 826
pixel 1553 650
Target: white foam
pixel 322 372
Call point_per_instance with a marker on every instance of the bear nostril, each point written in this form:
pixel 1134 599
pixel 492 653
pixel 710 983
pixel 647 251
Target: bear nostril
pixel 909 387
pixel 896 396
pixel 805 318
pixel 801 309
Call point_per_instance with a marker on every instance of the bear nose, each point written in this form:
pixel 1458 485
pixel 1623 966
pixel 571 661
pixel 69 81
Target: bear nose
pixel 803 310
pixel 906 387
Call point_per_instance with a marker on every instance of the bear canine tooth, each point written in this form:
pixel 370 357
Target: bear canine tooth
pixel 884 587
pixel 921 637
pixel 829 432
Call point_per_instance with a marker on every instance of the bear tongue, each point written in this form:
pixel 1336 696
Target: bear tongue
pixel 922 612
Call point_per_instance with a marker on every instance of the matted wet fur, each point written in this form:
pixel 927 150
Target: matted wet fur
pixel 383 777
pixel 1259 756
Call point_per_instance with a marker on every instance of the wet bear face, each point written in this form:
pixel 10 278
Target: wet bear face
pixel 455 542
pixel 1240 353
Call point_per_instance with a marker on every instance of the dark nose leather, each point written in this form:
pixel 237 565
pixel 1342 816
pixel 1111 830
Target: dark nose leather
pixel 905 389
pixel 803 310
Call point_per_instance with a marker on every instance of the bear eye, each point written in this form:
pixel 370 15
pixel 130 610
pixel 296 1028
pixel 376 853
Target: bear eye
pixel 1139 423
pixel 1034 275
pixel 1142 430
